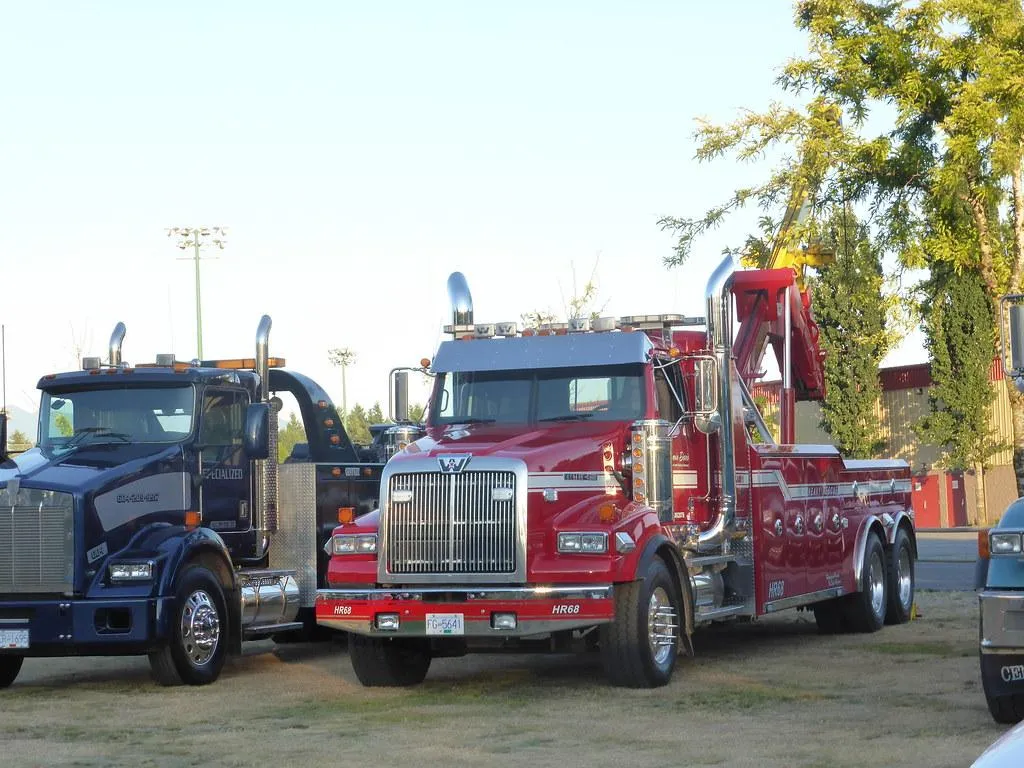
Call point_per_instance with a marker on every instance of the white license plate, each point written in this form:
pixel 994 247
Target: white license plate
pixel 445 624
pixel 13 638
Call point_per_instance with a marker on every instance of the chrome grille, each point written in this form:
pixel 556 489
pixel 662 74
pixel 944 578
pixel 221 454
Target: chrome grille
pixel 37 542
pixel 452 523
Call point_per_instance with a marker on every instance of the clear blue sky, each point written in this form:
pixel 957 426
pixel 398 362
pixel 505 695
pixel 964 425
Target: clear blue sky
pixel 358 153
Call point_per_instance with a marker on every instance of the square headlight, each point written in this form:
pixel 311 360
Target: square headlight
pixel 1005 543
pixel 589 542
pixel 130 571
pixel 354 543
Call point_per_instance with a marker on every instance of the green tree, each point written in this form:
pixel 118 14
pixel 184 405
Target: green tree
pixel 958 329
pixel 416 413
pixel 850 309
pixel 291 433
pixel 19 441
pixel 940 171
pixel 375 415
pixel 357 426
pixel 581 303
pixel 63 425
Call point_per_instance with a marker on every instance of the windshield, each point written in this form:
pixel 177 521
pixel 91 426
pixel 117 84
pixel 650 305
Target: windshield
pixel 116 415
pixel 598 393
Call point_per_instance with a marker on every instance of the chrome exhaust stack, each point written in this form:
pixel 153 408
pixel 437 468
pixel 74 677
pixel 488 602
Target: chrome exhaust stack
pixel 265 503
pixel 462 305
pixel 116 339
pixel 718 296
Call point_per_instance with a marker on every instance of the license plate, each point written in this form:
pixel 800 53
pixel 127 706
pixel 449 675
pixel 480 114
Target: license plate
pixel 445 624
pixel 13 638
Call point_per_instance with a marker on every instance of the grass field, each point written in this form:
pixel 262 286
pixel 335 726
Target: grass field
pixel 772 693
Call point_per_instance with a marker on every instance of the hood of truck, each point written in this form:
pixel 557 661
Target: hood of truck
pixel 86 468
pixel 554 447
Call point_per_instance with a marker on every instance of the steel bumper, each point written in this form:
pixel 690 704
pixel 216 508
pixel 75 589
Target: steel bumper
pixel 70 627
pixel 538 610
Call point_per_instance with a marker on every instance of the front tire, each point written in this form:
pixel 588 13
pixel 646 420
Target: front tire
pixel 639 647
pixel 10 666
pixel 199 624
pixel 900 580
pixel 389 662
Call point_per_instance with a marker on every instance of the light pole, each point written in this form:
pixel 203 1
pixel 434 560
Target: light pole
pixel 343 357
pixel 198 238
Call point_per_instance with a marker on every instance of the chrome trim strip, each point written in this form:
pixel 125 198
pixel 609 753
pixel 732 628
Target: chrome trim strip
pixel 797 600
pixel 463 592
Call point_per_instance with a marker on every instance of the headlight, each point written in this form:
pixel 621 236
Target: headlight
pixel 1005 544
pixel 583 542
pixel 354 543
pixel 130 571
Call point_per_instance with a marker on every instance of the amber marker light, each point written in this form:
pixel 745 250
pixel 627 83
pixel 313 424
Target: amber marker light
pixel 336 472
pixel 346 515
pixel 983 552
pixel 606 513
pixel 192 519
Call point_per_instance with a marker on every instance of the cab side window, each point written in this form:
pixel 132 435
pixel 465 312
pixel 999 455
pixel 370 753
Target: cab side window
pixel 223 419
pixel 669 408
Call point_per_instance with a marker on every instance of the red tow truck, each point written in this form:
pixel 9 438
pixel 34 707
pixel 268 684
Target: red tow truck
pixel 611 486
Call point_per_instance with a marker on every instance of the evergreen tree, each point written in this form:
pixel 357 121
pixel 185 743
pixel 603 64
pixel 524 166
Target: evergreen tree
pixel 958 329
pixel 291 433
pixel 850 310
pixel 356 425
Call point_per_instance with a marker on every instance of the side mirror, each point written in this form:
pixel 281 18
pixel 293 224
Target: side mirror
pixel 400 393
pixel 705 390
pixel 1011 328
pixel 257 431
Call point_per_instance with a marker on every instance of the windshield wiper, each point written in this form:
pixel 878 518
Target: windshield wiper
pixel 474 420
pixel 82 432
pixel 569 417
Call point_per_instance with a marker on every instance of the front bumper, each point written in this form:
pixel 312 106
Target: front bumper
pixel 1002 642
pixel 70 627
pixel 538 610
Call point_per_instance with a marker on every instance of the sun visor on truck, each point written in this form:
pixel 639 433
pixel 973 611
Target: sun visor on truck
pixel 568 351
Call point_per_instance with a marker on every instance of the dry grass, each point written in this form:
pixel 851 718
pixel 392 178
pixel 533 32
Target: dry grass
pixel 772 694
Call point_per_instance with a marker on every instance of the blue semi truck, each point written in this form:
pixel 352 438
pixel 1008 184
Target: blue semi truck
pixel 153 516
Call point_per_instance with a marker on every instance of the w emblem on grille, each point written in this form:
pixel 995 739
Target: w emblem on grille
pixel 451 465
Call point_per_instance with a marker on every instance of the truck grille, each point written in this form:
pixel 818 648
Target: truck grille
pixel 37 543
pixel 453 523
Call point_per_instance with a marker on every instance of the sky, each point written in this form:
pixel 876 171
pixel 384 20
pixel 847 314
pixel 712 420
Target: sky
pixel 358 153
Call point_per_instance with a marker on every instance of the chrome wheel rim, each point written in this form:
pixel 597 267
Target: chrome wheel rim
pixel 904 581
pixel 662 627
pixel 200 628
pixel 876 584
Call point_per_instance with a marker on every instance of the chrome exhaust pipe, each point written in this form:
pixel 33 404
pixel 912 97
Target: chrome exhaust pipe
pixel 265 503
pixel 718 296
pixel 263 357
pixel 462 303
pixel 116 339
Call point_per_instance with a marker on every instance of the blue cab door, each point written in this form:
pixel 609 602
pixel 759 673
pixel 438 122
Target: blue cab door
pixel 225 496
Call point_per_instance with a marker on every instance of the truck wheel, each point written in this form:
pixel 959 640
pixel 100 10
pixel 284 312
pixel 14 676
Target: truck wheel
pixel 386 661
pixel 197 648
pixel 1006 710
pixel 10 666
pixel 639 647
pixel 830 616
pixel 866 609
pixel 901 580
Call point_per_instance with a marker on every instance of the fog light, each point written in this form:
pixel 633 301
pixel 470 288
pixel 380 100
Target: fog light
pixel 504 621
pixel 387 622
